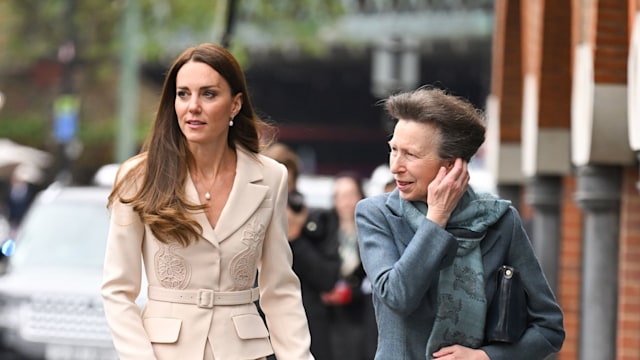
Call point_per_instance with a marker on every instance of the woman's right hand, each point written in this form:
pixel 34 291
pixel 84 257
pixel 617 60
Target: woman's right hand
pixel 445 191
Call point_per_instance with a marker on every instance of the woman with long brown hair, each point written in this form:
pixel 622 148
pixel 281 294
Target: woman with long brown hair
pixel 206 213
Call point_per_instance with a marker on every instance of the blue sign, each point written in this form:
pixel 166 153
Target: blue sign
pixel 65 127
pixel 65 124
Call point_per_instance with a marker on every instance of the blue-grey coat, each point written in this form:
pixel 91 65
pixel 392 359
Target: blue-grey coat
pixel 404 268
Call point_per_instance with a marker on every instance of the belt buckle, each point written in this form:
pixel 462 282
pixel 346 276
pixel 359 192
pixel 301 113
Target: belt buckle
pixel 205 298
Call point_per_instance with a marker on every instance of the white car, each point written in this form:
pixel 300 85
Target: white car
pixel 50 302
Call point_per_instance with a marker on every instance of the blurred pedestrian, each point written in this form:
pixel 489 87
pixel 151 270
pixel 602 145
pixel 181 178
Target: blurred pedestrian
pixel 350 299
pixel 381 181
pixel 21 194
pixel 315 260
pixel 206 213
pixel 432 247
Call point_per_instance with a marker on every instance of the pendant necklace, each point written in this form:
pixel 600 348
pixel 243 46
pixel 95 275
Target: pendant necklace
pixel 207 195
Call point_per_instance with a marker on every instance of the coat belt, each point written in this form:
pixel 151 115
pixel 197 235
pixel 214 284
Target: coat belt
pixel 204 298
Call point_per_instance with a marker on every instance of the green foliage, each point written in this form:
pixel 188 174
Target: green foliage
pixel 270 12
pixel 105 132
pixel 33 129
pixel 39 28
pixel 291 23
pixel 29 128
pixel 32 30
pixel 176 15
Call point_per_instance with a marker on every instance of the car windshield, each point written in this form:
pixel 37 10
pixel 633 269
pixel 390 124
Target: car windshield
pixel 63 234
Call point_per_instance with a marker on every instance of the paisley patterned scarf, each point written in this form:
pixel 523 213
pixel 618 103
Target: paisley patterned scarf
pixel 462 304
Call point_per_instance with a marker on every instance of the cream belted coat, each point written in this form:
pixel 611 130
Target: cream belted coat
pixel 203 292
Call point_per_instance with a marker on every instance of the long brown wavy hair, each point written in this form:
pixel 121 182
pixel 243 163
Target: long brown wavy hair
pixel 160 199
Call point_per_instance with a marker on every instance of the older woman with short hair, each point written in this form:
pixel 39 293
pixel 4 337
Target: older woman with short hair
pixel 433 245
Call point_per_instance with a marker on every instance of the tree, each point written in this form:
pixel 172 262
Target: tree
pixel 39 29
pixel 83 37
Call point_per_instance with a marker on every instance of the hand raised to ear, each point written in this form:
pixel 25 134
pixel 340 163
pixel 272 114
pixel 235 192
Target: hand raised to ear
pixel 445 191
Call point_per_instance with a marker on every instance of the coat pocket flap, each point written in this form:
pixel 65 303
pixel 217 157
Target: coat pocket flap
pixel 162 330
pixel 250 326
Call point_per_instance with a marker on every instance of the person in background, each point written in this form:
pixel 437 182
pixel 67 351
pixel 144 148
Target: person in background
pixel 20 196
pixel 428 244
pixel 315 260
pixel 380 181
pixel 206 213
pixel 350 300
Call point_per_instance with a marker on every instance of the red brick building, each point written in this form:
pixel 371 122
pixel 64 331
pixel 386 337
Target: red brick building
pixel 564 127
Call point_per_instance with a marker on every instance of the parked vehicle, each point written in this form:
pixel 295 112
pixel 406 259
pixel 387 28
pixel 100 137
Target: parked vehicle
pixel 50 302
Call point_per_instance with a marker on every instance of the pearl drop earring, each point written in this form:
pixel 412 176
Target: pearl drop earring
pixel 231 122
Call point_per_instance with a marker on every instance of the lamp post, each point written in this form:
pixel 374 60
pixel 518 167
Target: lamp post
pixel 66 106
pixel 129 86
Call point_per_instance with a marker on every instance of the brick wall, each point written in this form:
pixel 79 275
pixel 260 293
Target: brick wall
pixel 605 24
pixel 612 42
pixel 629 293
pixel 570 269
pixel 571 262
pixel 556 66
pixel 506 77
